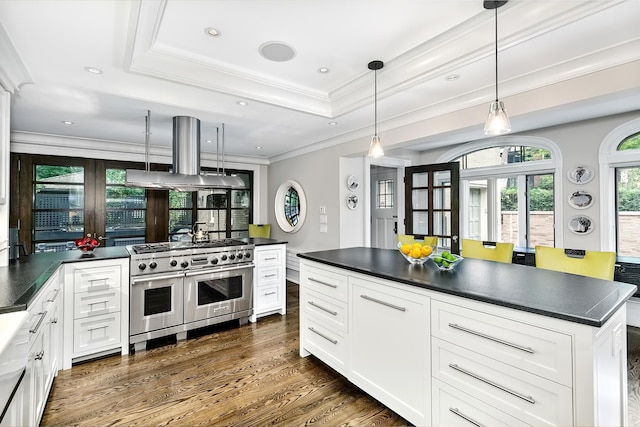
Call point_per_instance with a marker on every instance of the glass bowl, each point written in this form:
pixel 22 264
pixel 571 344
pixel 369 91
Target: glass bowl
pixel 444 264
pixel 414 261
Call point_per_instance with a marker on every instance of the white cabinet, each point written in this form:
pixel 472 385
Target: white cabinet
pixel 390 346
pixel 269 281
pixel 324 326
pixel 97 313
pixel 43 355
pixel 440 359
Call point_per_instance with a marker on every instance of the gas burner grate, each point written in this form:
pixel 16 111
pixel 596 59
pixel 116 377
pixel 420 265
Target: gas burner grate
pixel 151 248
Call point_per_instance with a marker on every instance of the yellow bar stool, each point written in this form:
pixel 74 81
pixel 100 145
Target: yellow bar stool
pixel 490 251
pixel 260 230
pixel 411 239
pixel 596 264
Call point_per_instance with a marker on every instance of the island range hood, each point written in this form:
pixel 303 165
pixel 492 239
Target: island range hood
pixel 186 174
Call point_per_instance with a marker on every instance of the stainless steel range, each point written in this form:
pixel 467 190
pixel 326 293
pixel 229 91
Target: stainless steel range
pixel 179 286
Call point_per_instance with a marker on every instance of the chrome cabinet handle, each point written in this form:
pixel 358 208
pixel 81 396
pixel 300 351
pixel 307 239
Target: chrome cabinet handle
pixel 388 304
pixel 493 384
pixel 489 337
pixel 331 285
pixel 270 293
pixel 42 316
pixel 271 259
pixel 54 296
pixel 270 275
pixel 331 340
pixel 335 313
pixel 39 355
pixel 466 417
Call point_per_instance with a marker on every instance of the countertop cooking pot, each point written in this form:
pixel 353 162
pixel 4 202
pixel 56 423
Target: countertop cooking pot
pixel 200 232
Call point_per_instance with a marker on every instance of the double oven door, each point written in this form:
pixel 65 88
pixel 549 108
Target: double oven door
pixel 156 302
pixel 212 293
pixel 171 301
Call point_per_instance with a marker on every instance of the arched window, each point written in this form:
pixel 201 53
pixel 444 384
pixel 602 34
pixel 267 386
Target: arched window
pixel 620 190
pixel 509 190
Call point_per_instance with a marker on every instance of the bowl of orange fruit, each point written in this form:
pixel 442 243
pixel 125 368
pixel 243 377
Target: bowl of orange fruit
pixel 415 253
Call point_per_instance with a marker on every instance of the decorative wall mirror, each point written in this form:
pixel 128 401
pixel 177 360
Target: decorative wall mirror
pixel 290 206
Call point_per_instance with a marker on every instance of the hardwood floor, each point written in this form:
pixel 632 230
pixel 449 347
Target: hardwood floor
pixel 250 375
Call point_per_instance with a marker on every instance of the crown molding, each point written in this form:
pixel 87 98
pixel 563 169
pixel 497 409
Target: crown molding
pixel 13 72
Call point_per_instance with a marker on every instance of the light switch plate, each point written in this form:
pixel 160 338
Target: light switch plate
pixel 323 209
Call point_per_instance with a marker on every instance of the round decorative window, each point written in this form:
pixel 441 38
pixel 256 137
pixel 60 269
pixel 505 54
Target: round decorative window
pixel 290 206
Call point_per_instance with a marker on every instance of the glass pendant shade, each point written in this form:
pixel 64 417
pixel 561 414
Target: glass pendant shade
pixel 375 148
pixel 497 122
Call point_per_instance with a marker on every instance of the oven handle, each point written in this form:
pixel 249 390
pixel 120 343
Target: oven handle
pixel 161 277
pixel 218 270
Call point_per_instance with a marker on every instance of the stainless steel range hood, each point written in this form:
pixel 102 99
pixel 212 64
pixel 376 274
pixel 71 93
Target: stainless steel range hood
pixel 186 175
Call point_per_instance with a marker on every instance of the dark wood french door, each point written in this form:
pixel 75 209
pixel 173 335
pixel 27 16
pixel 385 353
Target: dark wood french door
pixel 432 203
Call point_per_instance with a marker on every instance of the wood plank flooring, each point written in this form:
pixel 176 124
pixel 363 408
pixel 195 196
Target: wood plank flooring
pixel 229 376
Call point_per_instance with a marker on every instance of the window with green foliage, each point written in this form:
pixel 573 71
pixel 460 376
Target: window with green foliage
pixel 628 202
pixel 60 199
pixel 58 207
pixel 630 143
pixel 125 210
pixel 503 202
pixel 226 212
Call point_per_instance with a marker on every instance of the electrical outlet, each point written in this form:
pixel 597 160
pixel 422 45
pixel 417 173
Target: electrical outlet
pixel 323 209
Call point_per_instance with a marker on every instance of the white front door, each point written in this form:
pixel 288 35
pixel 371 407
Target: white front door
pixel 384 207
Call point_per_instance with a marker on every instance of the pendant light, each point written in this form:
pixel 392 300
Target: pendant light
pixel 375 148
pixel 497 122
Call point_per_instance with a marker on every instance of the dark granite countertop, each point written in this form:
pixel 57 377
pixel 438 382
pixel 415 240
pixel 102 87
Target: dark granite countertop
pixel 564 296
pixel 262 241
pixel 21 280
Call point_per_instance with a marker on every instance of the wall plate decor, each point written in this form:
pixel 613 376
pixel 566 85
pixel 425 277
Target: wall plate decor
pixel 580 199
pixel 580 175
pixel 352 183
pixel 352 201
pixel 581 224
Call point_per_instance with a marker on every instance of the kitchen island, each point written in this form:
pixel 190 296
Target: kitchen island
pixel 489 343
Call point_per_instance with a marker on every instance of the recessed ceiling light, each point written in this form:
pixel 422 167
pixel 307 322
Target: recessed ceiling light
pixel 333 123
pixel 323 70
pixel 93 70
pixel 452 77
pixel 243 103
pixel 208 141
pixel 67 122
pixel 213 32
pixel 277 51
pixel 258 147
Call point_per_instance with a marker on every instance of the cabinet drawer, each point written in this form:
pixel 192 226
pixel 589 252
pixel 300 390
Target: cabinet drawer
pixel 96 278
pixel 89 304
pixel 325 282
pixel 329 311
pixel 96 333
pixel 269 275
pixel 451 407
pixel 534 349
pixel 326 345
pixel 528 397
pixel 269 257
pixel 268 297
